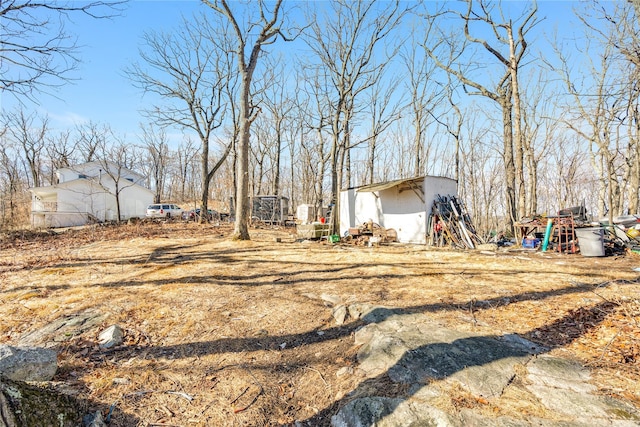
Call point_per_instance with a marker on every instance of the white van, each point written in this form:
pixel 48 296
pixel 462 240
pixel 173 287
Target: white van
pixel 164 211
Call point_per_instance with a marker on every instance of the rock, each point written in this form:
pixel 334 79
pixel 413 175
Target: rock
pixel 331 299
pixel 111 337
pixel 28 364
pixel 591 409
pixel 562 385
pixel 62 329
pixel 412 350
pixel 365 334
pixel 390 412
pixel 345 370
pixel 340 314
pixel 553 372
pixel 94 420
pixel 358 310
pixel 378 314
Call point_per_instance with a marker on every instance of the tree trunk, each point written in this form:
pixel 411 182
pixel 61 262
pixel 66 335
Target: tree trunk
pixel 372 159
pixel 417 147
pixel 276 179
pixel 241 229
pixel 204 169
pixel 509 167
pixel 335 186
pixel 634 156
pixel 517 130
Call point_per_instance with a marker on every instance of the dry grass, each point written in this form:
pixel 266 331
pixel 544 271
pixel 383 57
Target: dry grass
pixel 234 333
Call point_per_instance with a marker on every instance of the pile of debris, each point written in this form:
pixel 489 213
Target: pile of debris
pixel 624 235
pixel 370 234
pixel 450 224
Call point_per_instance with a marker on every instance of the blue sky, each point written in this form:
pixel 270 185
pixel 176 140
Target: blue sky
pixel 103 94
pixel 100 91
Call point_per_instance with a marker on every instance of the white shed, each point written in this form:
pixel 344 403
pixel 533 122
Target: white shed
pixel 403 204
pixel 87 192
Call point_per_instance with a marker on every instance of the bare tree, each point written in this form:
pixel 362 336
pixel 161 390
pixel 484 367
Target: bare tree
pixel 595 107
pixel 621 30
pixel 250 41
pixel 261 158
pixel 36 52
pixel 279 106
pixel 115 156
pixel 60 151
pixel 29 132
pixel 507 35
pixel 157 146
pixel 189 69
pixel 424 95
pixel 185 155
pixel 11 185
pixel 313 104
pixel 383 111
pixel 539 131
pixel 89 138
pixel 344 41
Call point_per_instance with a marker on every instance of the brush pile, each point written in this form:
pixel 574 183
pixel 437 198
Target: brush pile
pixel 450 224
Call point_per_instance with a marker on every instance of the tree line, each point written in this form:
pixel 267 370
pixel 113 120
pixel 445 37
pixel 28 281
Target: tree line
pixel 303 102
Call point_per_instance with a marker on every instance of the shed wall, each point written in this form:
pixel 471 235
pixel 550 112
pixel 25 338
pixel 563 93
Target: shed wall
pixel 406 210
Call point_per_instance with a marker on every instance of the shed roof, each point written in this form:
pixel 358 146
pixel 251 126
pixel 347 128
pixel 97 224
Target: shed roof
pixel 409 182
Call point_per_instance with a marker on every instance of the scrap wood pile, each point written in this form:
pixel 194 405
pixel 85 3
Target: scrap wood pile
pixel 450 224
pixel 371 233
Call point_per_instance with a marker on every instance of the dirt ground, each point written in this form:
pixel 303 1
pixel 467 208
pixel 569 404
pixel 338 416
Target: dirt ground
pixel 221 332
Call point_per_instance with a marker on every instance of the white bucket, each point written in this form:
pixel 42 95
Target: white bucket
pixel 591 241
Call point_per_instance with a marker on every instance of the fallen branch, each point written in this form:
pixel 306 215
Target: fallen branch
pixel 237 410
pixel 239 396
pixel 318 372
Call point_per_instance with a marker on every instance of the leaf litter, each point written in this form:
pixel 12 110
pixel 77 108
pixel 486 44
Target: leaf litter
pixel 205 317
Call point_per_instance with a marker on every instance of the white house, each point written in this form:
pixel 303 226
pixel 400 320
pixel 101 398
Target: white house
pixel 404 205
pixel 87 192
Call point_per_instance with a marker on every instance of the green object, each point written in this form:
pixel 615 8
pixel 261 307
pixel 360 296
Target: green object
pixel 334 238
pixel 547 234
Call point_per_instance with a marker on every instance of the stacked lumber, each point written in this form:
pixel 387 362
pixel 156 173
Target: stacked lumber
pixel 450 224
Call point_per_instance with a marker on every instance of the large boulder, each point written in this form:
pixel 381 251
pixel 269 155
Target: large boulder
pixel 27 363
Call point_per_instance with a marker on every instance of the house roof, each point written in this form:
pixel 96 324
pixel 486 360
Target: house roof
pixel 50 190
pixel 102 164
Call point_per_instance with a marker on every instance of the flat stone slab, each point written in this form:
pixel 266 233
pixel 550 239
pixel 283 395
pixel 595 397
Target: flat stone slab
pixel 62 329
pixel 389 412
pixel 413 350
pixel 562 386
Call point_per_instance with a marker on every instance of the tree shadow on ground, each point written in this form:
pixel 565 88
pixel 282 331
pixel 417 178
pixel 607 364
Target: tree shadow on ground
pixel 272 342
pixel 438 361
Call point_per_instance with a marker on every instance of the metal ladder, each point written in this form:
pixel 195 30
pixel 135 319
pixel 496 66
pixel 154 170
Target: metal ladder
pixel 565 227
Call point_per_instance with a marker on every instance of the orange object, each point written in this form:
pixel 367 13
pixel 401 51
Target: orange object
pixel 322 220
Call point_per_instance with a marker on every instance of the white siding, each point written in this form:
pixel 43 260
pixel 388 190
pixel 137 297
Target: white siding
pixel 405 211
pixel 78 199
